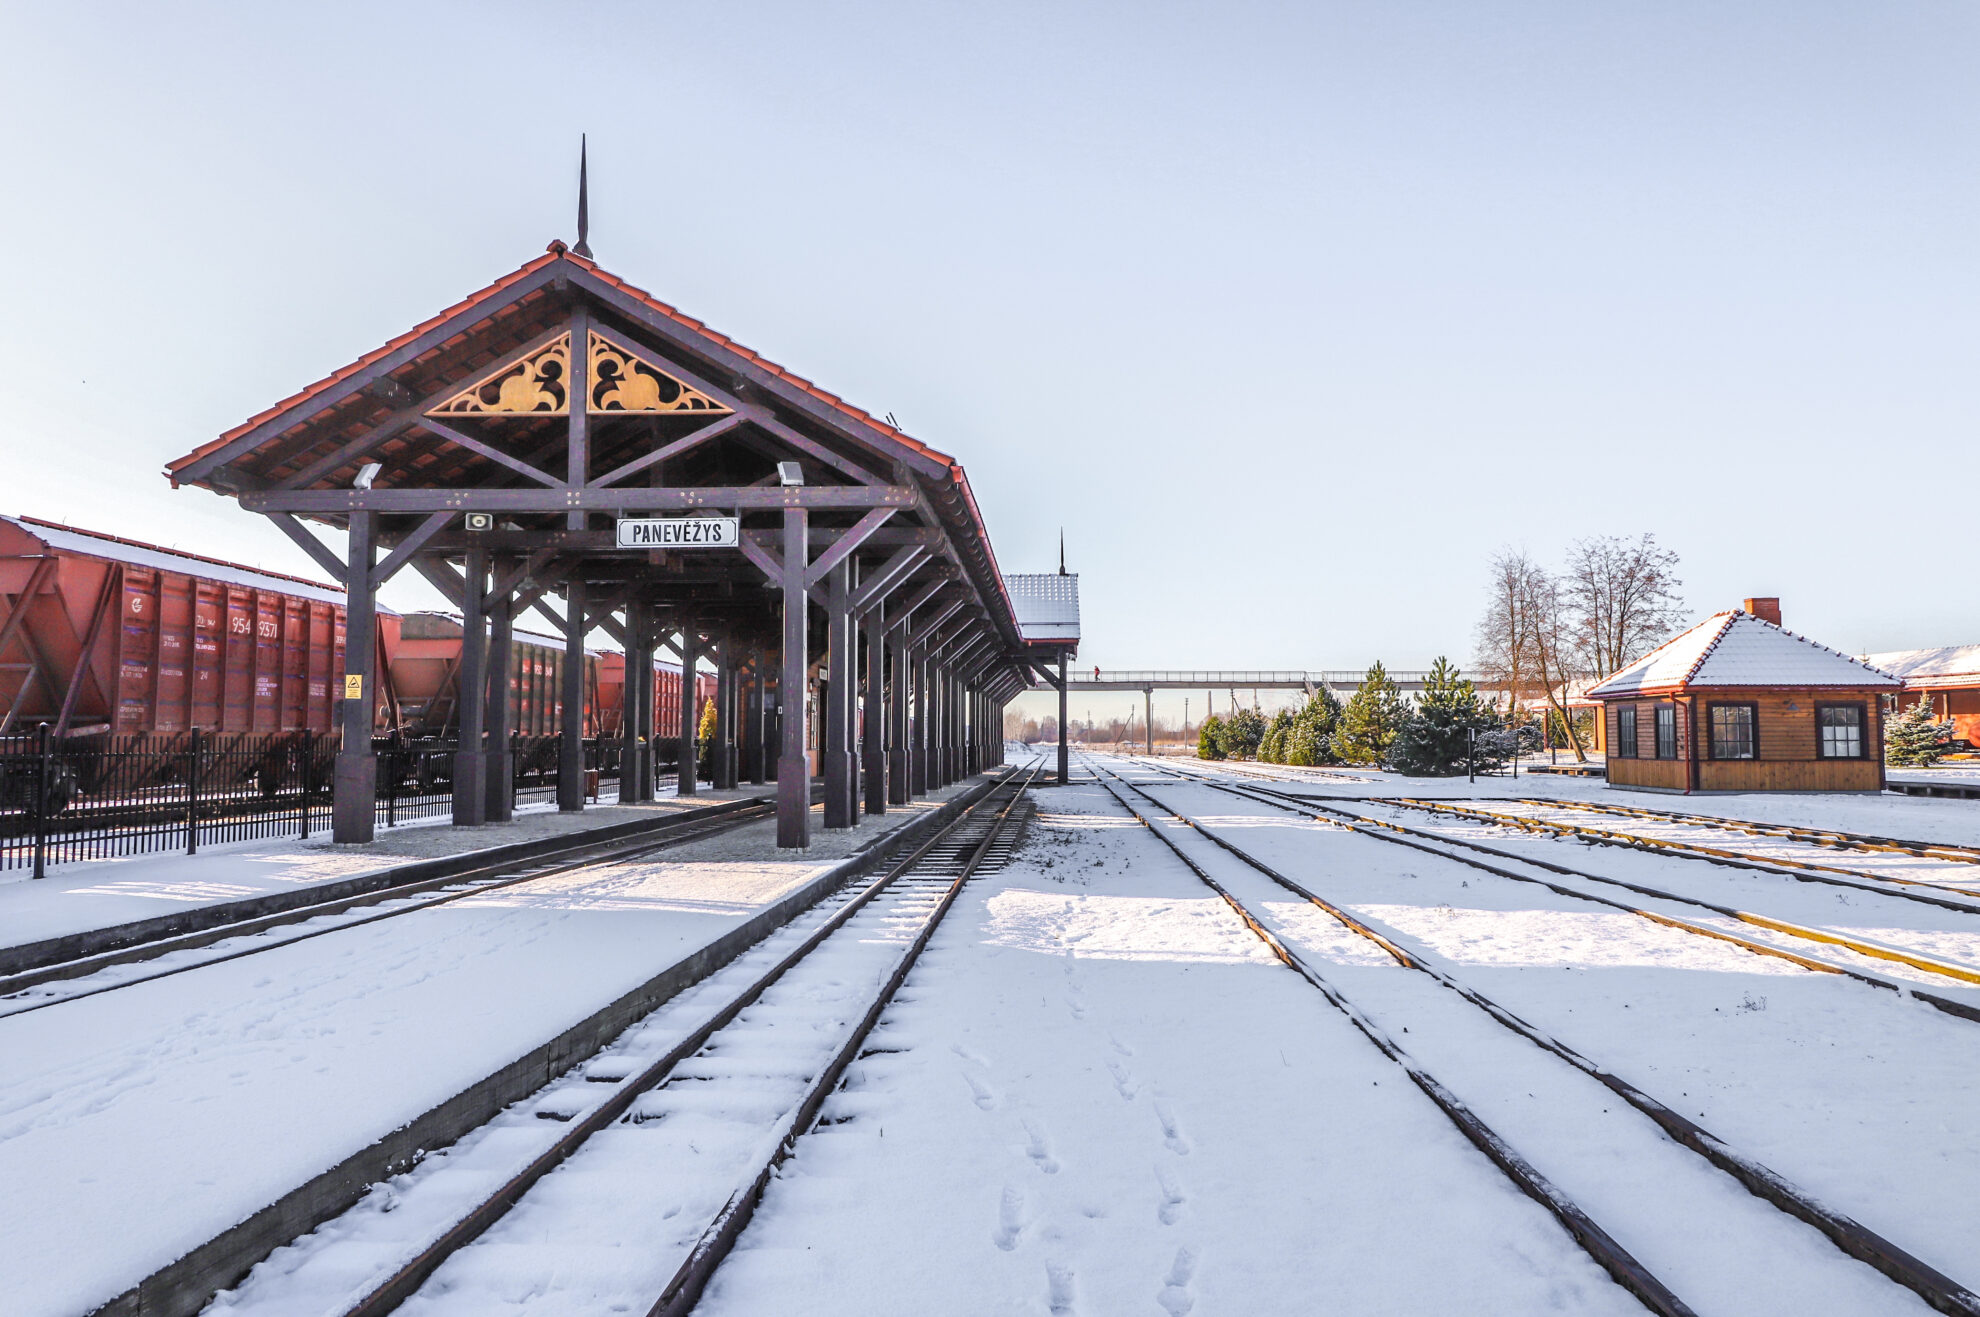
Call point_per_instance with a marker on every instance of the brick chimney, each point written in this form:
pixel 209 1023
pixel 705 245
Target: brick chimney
pixel 1767 610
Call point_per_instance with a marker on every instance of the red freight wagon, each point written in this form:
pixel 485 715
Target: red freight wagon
pixel 424 662
pixel 111 635
pixel 611 695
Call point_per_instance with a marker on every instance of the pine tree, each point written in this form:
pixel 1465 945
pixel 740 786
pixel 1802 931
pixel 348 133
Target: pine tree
pixel 704 744
pixel 1914 739
pixel 1242 732
pixel 1434 739
pixel 1272 749
pixel 1369 723
pixel 1310 741
pixel 1210 738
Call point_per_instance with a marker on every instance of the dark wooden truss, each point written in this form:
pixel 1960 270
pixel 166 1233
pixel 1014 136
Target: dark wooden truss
pixel 492 409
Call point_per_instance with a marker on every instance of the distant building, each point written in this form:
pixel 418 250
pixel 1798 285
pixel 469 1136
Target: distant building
pixel 1949 676
pixel 1738 703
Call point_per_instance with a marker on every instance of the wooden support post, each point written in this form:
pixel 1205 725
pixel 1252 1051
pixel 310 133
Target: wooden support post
pixel 354 786
pixel 471 686
pixel 900 755
pixel 918 755
pixel 570 748
pixel 1065 751
pixel 793 770
pixel 498 772
pixel 725 713
pixel 876 709
pixel 687 770
pixel 577 456
pixel 636 759
pixel 753 717
pixel 840 787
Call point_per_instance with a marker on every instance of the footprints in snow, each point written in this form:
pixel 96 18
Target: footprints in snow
pixel 1010 1218
pixel 1172 1133
pixel 1175 1295
pixel 1173 1197
pixel 1037 1149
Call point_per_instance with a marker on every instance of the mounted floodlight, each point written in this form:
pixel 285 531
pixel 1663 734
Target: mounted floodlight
pixel 366 474
pixel 789 473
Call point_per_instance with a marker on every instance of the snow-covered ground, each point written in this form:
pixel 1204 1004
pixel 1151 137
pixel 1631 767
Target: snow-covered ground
pixel 150 1118
pixel 126 888
pixel 1099 1092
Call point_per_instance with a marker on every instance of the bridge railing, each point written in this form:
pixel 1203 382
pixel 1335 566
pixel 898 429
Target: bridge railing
pixel 1219 679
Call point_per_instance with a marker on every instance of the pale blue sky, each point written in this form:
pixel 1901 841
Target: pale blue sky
pixel 1291 314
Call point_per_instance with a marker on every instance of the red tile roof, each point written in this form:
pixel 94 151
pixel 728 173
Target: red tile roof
pixel 558 251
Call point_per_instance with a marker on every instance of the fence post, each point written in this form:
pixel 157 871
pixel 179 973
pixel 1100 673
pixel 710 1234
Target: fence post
pixel 303 776
pixel 392 783
pixel 192 797
pixel 41 805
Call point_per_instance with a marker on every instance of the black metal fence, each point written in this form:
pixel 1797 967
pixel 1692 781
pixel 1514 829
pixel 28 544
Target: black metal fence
pixel 64 799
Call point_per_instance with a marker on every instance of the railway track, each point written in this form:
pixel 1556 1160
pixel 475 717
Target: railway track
pixel 161 957
pixel 682 1132
pixel 1829 837
pixel 1434 843
pixel 1849 1237
pixel 1802 870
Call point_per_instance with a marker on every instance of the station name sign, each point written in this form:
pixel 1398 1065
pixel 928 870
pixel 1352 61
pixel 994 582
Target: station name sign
pixel 679 532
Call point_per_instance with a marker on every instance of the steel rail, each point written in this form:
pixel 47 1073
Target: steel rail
pixel 1834 838
pixel 1381 828
pixel 581 856
pixel 386 1296
pixel 1801 870
pixel 1848 1235
pixel 1862 946
pixel 684 1290
pixel 1601 1246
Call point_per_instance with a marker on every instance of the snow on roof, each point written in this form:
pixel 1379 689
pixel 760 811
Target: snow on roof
pixel 1946 665
pixel 67 539
pixel 1738 649
pixel 1046 604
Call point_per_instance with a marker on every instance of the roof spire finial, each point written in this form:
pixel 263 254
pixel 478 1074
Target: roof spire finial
pixel 1062 550
pixel 583 248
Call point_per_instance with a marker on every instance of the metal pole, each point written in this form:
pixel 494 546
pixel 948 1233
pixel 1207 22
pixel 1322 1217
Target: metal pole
pixel 40 800
pixel 192 795
pixel 1065 751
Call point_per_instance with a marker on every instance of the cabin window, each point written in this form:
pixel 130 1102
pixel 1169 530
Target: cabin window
pixel 1735 731
pixel 1839 731
pixel 1626 732
pixel 1667 731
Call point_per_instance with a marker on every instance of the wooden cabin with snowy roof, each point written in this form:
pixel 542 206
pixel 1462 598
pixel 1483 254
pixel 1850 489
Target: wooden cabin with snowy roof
pixel 1948 678
pixel 1739 703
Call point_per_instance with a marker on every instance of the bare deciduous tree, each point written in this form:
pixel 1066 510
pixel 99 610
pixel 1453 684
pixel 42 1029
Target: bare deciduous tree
pixel 1624 596
pixel 1505 640
pixel 1552 631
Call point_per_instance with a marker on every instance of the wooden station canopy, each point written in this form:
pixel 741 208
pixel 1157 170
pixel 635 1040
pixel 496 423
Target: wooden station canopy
pixel 504 447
